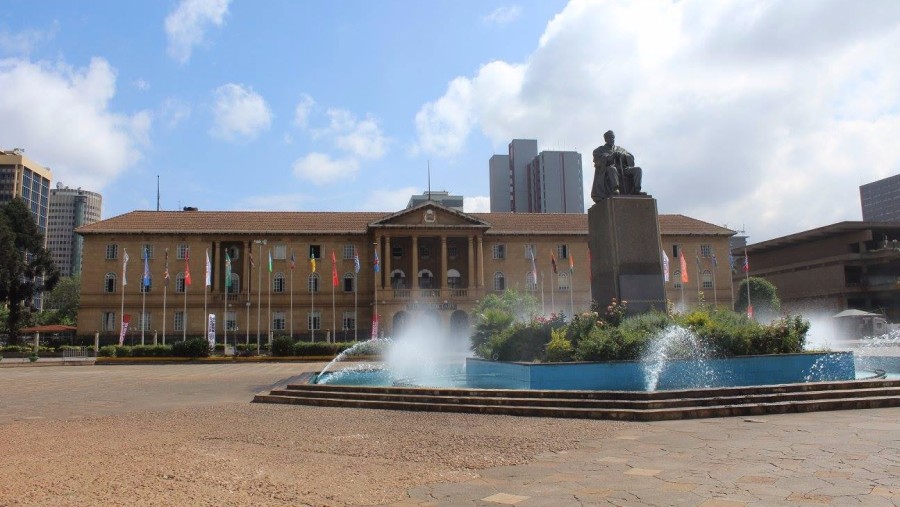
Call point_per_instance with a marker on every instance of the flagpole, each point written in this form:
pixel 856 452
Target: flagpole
pixel 269 306
pixel 206 282
pixel 259 242
pixel 333 311
pixel 543 308
pixel 249 301
pixel 122 309
pixel 356 300
pixel 143 305
pixel 715 295
pixel 165 295
pixel 184 318
pixel 571 296
pixel 698 280
pixel 747 272
pixel 312 304
pixel 377 274
pixel 291 289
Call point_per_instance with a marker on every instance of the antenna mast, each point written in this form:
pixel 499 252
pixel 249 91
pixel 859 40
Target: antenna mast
pixel 157 192
pixel 429 180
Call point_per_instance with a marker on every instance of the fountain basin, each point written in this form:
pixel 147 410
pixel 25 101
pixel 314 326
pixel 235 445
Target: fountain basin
pixel 678 374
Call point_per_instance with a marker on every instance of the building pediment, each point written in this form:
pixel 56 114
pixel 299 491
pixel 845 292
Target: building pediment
pixel 430 215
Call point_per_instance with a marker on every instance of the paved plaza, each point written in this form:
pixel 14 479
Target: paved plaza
pixel 187 435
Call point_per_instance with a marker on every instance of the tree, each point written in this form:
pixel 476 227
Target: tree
pixel 26 268
pixel 62 302
pixel 763 296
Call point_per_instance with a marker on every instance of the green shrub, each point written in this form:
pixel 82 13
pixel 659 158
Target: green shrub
pixel 123 351
pixel 192 347
pixel 559 349
pixel 151 351
pixel 321 348
pixel 283 346
pixel 107 351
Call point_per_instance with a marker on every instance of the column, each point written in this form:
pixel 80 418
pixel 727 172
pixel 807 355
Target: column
pixel 443 263
pixel 387 260
pixel 470 244
pixel 479 243
pixel 415 262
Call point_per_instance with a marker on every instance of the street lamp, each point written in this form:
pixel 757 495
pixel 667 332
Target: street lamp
pixel 259 242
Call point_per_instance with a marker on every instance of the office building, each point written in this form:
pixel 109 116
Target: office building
pixel 441 197
pixel 22 177
pixel 70 208
pixel 500 183
pixel 525 181
pixel 881 200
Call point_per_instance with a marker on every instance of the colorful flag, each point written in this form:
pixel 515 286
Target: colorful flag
pixel 533 266
pixel 227 270
pixel 746 263
pixel 684 273
pixel 377 262
pixel 356 266
pixel 571 263
pixel 293 260
pixel 665 260
pixel 146 280
pixel 312 263
pixel 252 264
pixel 731 263
pixel 126 319
pixel 375 324
pixel 208 270
pixel 553 262
pixel 270 260
pixel 166 273
pixel 749 311
pixel 187 268
pixel 334 277
pixel 124 267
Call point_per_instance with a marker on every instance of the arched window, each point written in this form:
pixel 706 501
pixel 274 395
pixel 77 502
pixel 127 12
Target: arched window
pixel 278 283
pixel 349 282
pixel 499 281
pixel 179 282
pixel 676 279
pixel 426 279
pixel 398 279
pixel 235 284
pixel 109 283
pixel 313 285
pixel 530 281
pixel 707 280
pixel 453 279
pixel 563 281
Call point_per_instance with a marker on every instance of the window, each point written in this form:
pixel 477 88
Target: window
pixel 676 249
pixel 426 279
pixel 179 282
pixel 314 320
pixel 398 279
pixel 349 280
pixel 109 321
pixel 278 321
pixel 424 252
pixel 454 279
pixel 278 283
pixel 315 251
pixel 112 251
pixel 145 321
pixel 313 285
pixel 499 281
pixel 348 321
pixel 705 250
pixel 563 281
pixel 452 251
pixel 181 251
pixel 562 251
pixel 146 251
pixel 676 278
pixel 397 252
pixel 349 252
pixel 707 279
pixel 109 283
pixel 499 251
pixel 530 281
pixel 280 252
pixel 230 321
pixel 235 284
pixel 179 321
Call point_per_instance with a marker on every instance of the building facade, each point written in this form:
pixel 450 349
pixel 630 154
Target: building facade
pixel 880 200
pixel 70 208
pixel 525 181
pixel 427 262
pixel 22 177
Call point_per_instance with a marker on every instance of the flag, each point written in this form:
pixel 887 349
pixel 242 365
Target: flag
pixel 375 323
pixel 334 277
pixel 124 267
pixel 270 260
pixel 252 264
pixel 553 262
pixel 571 263
pixel 731 263
pixel 665 260
pixel 714 261
pixel 746 263
pixel 699 269
pixel 749 311
pixel 187 268
pixel 684 273
pixel 166 273
pixel 146 280
pixel 208 270
pixel 227 271
pixel 533 266
pixel 312 263
pixel 126 319
pixel 356 262
pixel 377 262
pixel 293 260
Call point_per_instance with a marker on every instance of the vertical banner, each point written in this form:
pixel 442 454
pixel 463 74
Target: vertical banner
pixel 375 326
pixel 211 334
pixel 126 319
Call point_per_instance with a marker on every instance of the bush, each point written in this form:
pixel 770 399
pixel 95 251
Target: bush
pixel 320 348
pixel 151 351
pixel 123 350
pixel 192 347
pixel 559 349
pixel 107 351
pixel 283 346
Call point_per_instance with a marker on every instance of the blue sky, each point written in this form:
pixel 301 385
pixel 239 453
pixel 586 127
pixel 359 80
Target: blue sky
pixel 764 116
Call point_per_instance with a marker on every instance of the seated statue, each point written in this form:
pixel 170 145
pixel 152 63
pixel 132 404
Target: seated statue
pixel 614 171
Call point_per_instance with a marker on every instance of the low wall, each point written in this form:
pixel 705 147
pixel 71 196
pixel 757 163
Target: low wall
pixel 636 376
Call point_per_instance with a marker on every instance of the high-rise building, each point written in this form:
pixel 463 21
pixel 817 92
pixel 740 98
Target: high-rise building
pixel 526 181
pixel 441 197
pixel 70 208
pixel 22 177
pixel 881 200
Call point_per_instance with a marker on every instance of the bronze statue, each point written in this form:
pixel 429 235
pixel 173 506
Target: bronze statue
pixel 614 171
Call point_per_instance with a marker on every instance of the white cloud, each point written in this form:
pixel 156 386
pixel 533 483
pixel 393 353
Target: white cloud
pixel 173 111
pixel 302 111
pixel 61 115
pixel 769 113
pixel 239 113
pixel 477 204
pixel 24 42
pixel 362 138
pixel 186 26
pixel 381 199
pixel 503 15
pixel 141 84
pixel 320 168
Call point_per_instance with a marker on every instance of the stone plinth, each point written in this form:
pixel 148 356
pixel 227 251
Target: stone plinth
pixel 626 255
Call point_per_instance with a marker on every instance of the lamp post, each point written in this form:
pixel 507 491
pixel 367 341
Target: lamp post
pixel 259 242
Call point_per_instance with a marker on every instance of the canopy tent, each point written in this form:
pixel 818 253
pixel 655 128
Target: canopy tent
pixel 854 313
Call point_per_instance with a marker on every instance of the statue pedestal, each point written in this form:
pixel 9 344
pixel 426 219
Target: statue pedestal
pixel 626 255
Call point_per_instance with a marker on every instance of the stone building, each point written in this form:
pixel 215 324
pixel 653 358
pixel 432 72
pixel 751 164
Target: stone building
pixel 433 262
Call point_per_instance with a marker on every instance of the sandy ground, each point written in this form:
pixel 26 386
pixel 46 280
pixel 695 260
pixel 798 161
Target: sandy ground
pixel 238 453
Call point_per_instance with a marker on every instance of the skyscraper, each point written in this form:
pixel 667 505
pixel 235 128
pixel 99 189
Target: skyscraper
pixel 881 200
pixel 22 177
pixel 70 208
pixel 525 181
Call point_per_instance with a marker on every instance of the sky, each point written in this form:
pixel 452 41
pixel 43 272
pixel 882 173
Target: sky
pixel 761 116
